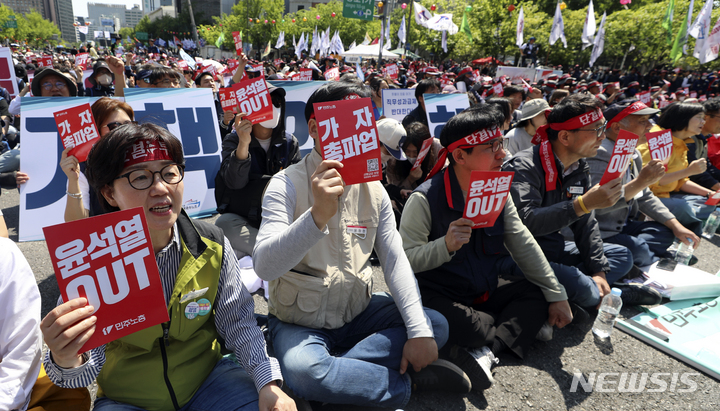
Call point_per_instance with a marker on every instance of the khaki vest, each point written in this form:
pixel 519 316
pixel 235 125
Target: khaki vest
pixel 333 282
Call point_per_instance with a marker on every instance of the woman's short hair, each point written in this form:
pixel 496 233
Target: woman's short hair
pixel 106 159
pixel 676 116
pixel 104 107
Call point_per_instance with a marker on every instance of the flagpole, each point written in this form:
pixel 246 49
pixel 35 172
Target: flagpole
pixel 382 38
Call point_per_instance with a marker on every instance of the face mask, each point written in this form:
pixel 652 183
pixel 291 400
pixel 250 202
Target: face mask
pixel 385 157
pixel 412 160
pixel 273 122
pixel 104 79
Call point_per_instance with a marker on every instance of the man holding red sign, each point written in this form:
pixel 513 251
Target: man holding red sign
pixel 553 191
pixel 458 267
pixel 648 241
pixel 178 363
pixel 314 248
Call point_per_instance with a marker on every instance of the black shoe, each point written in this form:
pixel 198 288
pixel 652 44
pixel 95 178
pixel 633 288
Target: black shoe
pixel 481 378
pixel 638 294
pixel 441 375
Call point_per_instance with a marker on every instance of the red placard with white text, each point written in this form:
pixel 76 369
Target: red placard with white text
pixel 660 145
pixel 109 260
pixel 348 134
pixel 498 89
pixel 644 96
pixel 392 71
pixel 182 65
pixel 253 99
pixel 332 74
pixel 278 62
pixel 81 60
pixel 424 150
pixel 621 156
pixel 714 199
pixel 693 94
pixel 77 129
pixel 487 194
pixel 45 61
pixel 304 75
pixel 237 38
pixel 232 66
pixel 663 104
pixel 228 100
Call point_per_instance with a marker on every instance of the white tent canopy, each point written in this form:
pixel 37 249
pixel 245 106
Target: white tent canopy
pixel 369 51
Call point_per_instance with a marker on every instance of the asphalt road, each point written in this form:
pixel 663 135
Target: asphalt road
pixel 542 382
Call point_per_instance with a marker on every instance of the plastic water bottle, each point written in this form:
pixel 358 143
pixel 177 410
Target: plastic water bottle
pixel 608 313
pixel 684 252
pixel 711 225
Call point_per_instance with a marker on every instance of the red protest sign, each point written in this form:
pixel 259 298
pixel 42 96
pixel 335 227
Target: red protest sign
pixel 644 96
pixel 498 89
pixel 693 94
pixel 304 75
pixel 445 81
pixel 663 104
pixel 487 194
pixel 206 69
pixel 424 150
pixel 81 60
pixel 392 71
pixel 45 61
pixel 182 65
pixel 237 37
pixel 350 139
pixel 232 66
pixel 228 100
pixel 617 85
pixel 713 199
pixel 332 74
pixel 253 99
pixel 278 62
pixel 621 156
pixel 660 145
pixel 109 260
pixel 77 129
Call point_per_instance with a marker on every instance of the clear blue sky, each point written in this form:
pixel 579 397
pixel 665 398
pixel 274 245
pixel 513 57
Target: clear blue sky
pixel 80 6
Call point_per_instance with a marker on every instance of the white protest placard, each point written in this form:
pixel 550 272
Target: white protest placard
pixel 441 107
pixel 516 74
pixel 397 103
pixel 296 97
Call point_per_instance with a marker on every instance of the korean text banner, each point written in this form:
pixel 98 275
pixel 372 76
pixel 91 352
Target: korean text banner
pixel 77 129
pixel 516 74
pixel 109 260
pixel 621 156
pixel 487 194
pixel 660 144
pixel 296 97
pixel 441 107
pixel 397 103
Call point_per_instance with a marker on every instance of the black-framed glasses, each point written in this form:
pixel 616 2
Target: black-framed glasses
pixel 496 144
pixel 598 131
pixel 58 85
pixel 115 124
pixel 144 179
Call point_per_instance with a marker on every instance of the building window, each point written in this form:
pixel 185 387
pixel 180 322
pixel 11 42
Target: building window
pixel 301 7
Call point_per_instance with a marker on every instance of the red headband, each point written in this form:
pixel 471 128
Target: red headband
pixel 632 108
pixel 479 137
pixel 572 124
pixel 146 150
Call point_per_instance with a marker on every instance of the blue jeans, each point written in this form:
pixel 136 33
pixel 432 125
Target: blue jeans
pixel 10 161
pixel 227 388
pixel 647 241
pixel 355 364
pixel 690 210
pixel 579 285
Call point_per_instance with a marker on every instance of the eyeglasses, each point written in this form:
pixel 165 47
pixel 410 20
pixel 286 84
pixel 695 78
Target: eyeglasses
pixel 115 124
pixel 496 144
pixel 58 85
pixel 598 131
pixel 143 179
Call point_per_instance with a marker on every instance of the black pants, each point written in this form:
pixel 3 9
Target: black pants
pixel 514 313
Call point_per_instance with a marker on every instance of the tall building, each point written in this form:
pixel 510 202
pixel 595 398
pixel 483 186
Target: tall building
pixel 133 16
pixel 206 9
pixel 25 6
pixel 59 12
pixel 64 19
pixel 291 6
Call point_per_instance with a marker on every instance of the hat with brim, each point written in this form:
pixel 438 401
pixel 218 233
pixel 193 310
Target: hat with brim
pixel 100 64
pixel 392 135
pixel 534 107
pixel 37 81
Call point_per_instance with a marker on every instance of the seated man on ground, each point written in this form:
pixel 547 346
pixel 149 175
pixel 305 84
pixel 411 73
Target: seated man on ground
pixel 648 241
pixel 336 341
pixel 553 191
pixel 458 267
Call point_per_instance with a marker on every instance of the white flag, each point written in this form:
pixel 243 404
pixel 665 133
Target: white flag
pixel 83 29
pixel 689 25
pixel 520 27
pixel 599 42
pixel 701 30
pixel 352 45
pixel 712 44
pixel 294 42
pixel 402 32
pixel 441 22
pixel 589 27
pixel 387 43
pixel 444 41
pixel 422 15
pixel 558 28
pixel 280 40
pixel 367 40
pixel 315 42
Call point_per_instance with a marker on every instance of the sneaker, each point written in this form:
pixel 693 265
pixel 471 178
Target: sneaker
pixel 441 375
pixel 545 333
pixel 477 364
pixel 638 294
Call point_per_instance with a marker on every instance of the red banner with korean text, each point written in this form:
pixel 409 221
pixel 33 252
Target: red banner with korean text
pixel 392 71
pixel 78 130
pixel 109 260
pixel 487 194
pixel 253 99
pixel 424 150
pixel 81 60
pixel 347 133
pixel 645 97
pixel 237 38
pixel 232 66
pixel 498 89
pixel 228 100
pixel 305 74
pixel 45 61
pixel 660 145
pixel 621 156
pixel 332 74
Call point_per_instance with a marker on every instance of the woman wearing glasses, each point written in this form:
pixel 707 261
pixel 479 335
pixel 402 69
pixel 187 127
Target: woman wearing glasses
pixel 177 364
